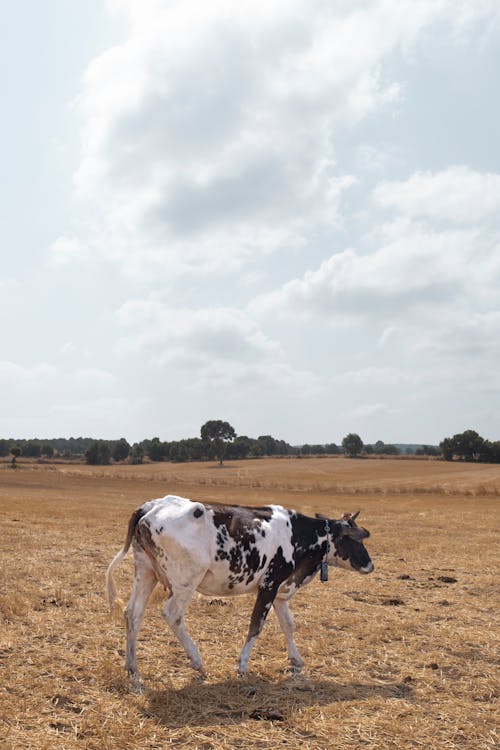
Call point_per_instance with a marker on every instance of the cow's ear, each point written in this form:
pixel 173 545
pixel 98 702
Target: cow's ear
pixel 321 517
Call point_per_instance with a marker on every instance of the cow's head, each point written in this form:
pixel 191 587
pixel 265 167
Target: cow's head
pixel 347 549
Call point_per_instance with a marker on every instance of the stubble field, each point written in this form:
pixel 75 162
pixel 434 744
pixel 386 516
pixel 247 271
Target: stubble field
pixel 403 658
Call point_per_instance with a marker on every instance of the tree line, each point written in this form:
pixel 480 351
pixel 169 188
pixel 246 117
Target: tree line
pixel 219 441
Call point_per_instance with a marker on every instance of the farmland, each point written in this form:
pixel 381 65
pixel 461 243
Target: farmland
pixel 403 658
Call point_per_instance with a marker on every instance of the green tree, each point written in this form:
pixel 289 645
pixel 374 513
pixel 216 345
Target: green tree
pixel 121 449
pixel 47 450
pixel 268 445
pixel 467 445
pixel 447 449
pixel 15 452
pixel 240 448
pixel 391 450
pixel 352 445
pixel 136 455
pixel 31 449
pixel 217 434
pixel 178 451
pixel 332 449
pixel 98 453
pixel 156 450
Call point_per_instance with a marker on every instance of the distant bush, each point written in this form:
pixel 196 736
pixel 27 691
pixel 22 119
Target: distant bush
pixel 98 453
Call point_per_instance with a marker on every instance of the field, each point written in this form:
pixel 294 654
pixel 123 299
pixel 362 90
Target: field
pixel 403 658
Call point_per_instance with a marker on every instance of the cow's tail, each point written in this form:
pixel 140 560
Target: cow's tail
pixel 110 581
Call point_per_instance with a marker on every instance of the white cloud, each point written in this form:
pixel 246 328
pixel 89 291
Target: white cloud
pixel 215 346
pixel 375 159
pixel 416 272
pixel 91 377
pixel 366 411
pixel 457 194
pixel 66 250
pixel 209 133
pixel 375 376
pixel 68 348
pixel 37 375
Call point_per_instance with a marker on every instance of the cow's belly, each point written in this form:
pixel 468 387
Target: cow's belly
pixel 220 581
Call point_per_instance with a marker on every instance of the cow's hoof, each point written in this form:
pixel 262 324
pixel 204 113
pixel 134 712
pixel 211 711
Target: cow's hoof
pixel 296 666
pixel 242 673
pixel 136 686
pixel 199 668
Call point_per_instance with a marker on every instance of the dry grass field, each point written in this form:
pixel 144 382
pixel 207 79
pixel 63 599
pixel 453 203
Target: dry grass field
pixel 403 658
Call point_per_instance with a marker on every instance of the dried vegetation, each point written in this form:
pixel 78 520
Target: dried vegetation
pixel 403 658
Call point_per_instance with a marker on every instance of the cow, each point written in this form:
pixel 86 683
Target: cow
pixel 226 550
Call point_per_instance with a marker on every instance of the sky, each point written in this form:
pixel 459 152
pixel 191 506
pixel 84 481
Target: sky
pixel 283 214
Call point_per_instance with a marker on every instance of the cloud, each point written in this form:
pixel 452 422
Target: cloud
pixel 94 378
pixel 209 133
pixel 68 348
pixel 366 411
pixel 457 194
pixel 375 376
pixel 66 250
pixel 34 376
pixel 415 268
pixel 214 346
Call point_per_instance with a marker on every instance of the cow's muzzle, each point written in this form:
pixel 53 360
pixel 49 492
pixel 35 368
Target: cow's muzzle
pixel 367 568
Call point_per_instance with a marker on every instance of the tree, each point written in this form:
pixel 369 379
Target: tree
pixel 447 449
pixel 98 453
pixel 178 452
pixel 136 455
pixel 217 434
pixel 352 445
pixel 427 450
pixel 15 452
pixel 121 449
pixel 332 449
pixel 156 450
pixel 268 445
pixel 391 450
pixel 31 449
pixel 47 450
pixel 468 446
pixel 240 448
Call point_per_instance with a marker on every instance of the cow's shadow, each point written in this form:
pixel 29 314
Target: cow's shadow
pixel 232 701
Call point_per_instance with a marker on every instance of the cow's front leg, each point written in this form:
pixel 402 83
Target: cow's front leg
pixel 260 611
pixel 285 619
pixel 173 612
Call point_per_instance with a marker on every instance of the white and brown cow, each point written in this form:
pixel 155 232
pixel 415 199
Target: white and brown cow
pixel 224 550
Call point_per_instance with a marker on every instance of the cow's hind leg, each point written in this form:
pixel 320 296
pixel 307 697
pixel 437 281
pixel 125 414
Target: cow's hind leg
pixel 260 611
pixel 174 611
pixel 144 582
pixel 285 619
